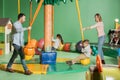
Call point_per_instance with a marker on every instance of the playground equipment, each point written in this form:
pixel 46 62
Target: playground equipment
pixel 103 72
pixel 49 9
pixel 110 72
pixel 48 57
pixel 61 47
pixel 114 34
pixel 85 61
pixel 73 47
pixel 35 68
pixel 40 47
pixel 18 6
pixel 94 50
pixel 5 31
pixel 117 25
pixel 40 44
pixel 79 18
pixel 66 47
pixel 29 49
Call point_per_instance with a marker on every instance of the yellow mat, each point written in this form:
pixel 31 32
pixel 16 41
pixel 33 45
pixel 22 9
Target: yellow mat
pixel 63 59
pixel 35 68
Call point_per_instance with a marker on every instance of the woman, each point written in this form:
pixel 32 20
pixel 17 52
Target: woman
pixel 101 34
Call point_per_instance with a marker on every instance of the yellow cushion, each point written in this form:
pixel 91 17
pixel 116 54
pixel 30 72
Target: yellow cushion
pixel 85 61
pixel 60 47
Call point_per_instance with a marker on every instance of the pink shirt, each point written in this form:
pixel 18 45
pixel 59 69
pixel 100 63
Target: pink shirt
pixel 100 28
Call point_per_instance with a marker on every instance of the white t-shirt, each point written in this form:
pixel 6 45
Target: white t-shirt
pixel 56 43
pixel 87 51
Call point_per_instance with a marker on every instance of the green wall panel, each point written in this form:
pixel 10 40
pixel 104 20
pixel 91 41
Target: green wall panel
pixel 66 20
pixel 1 8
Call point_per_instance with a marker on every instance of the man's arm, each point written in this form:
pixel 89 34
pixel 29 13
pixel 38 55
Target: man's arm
pixel 20 29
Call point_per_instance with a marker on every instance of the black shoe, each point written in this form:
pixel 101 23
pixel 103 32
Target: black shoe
pixel 103 62
pixel 28 72
pixel 69 63
pixel 9 70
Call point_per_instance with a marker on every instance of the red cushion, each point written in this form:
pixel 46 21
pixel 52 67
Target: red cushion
pixel 66 47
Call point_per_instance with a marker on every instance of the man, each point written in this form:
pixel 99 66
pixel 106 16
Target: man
pixel 18 43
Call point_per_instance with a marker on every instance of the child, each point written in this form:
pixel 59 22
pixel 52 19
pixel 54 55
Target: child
pixel 101 34
pixel 86 52
pixel 57 42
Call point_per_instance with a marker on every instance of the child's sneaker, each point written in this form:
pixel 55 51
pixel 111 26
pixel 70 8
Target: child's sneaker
pixel 69 63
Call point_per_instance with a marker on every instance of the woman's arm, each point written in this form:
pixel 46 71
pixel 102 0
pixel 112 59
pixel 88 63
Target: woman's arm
pixel 91 27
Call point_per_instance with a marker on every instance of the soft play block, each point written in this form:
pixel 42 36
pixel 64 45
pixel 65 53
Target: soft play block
pixel 66 47
pixel 48 57
pixel 35 68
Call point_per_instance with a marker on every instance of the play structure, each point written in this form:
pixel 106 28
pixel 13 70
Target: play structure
pixel 103 72
pixel 114 34
pixel 117 25
pixel 47 55
pixel 48 32
pixel 110 72
pixel 36 68
pixel 29 49
pixel 5 30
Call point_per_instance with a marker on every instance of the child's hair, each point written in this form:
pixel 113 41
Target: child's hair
pixel 99 16
pixel 86 41
pixel 60 37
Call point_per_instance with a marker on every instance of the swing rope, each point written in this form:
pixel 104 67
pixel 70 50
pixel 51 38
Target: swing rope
pixel 18 6
pixel 36 12
pixel 79 18
pixel 30 19
pixel 34 17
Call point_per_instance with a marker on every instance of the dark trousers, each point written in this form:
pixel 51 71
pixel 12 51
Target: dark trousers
pixel 18 50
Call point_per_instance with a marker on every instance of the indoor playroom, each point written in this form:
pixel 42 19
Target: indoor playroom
pixel 59 40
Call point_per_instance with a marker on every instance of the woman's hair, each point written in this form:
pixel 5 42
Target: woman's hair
pixel 60 37
pixel 99 17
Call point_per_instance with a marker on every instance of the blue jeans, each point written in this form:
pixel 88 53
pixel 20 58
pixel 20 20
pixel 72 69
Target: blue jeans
pixel 101 41
pixel 17 50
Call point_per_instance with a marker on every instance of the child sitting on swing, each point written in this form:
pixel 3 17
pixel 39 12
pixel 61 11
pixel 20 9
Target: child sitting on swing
pixel 57 42
pixel 86 52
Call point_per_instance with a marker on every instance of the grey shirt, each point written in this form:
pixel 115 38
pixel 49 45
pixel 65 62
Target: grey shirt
pixel 18 34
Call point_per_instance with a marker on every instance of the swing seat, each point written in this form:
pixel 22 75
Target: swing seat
pixel 85 61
